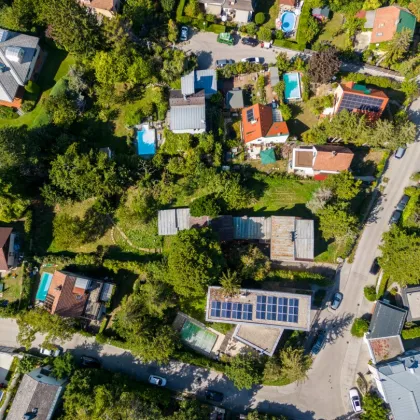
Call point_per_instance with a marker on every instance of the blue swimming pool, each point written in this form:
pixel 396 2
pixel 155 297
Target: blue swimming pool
pixel 288 21
pixel 292 86
pixel 44 285
pixel 146 141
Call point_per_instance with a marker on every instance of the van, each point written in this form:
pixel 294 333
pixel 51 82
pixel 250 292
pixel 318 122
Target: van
pixel 400 152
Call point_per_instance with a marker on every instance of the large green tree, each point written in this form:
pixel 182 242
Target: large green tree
pixel 63 366
pixel 195 261
pixel 337 222
pixel 398 47
pixel 399 246
pixel 324 65
pixel 373 408
pixel 245 370
pixel 294 364
pixel 343 185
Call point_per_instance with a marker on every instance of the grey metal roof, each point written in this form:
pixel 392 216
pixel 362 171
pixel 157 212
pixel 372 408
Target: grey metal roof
pixel 400 381
pixel 188 117
pixel 304 239
pixel 243 5
pixel 274 76
pixel 170 222
pixel 176 98
pixel 411 298
pixel 16 73
pixel 187 84
pixel 387 321
pixel 235 99
pixel 370 19
pixel 321 11
pixel 223 226
pixel 36 391
pixel 210 2
pixel 207 80
pixel 251 228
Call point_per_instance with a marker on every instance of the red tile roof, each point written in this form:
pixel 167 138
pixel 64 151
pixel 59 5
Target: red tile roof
pixel 332 158
pixel 385 23
pixel 287 2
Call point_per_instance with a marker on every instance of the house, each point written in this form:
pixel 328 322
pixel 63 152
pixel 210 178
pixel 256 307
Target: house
pixel 38 396
pixel 75 296
pixel 18 56
pixel 321 13
pixel 289 3
pixel 239 11
pixel 411 299
pixel 7 251
pixel 171 221
pixel 398 382
pixel 263 124
pixel 198 80
pixel 369 16
pixel 260 315
pixel 235 99
pixel 319 160
pixel 107 8
pixel 212 7
pixel 358 98
pixel 391 20
pixel 383 338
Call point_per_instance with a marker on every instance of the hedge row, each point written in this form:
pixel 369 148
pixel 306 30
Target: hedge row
pixel 180 10
pixel 381 165
pixel 303 24
pixel 382 287
pixel 204 25
pixel 411 333
pixel 380 81
pixel 288 44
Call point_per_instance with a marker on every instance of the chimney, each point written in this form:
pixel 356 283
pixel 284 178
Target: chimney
pixel 334 153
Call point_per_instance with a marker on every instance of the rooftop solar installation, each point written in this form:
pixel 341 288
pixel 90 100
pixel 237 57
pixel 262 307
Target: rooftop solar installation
pixel 250 115
pixel 277 309
pixel 360 102
pixel 231 310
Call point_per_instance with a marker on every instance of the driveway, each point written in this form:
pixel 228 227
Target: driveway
pixel 5 363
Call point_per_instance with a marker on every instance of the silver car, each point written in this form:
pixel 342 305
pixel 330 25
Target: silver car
pixel 184 33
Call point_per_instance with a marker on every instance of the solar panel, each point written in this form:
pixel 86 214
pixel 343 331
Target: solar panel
pixel 271 308
pixel 226 309
pixel 215 309
pixel 237 310
pixel 261 307
pixel 293 310
pixel 250 115
pixel 247 312
pixel 362 103
pixel 282 309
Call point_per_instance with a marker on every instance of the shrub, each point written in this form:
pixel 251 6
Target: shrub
pixel 411 333
pixel 210 18
pixel 27 106
pixel 415 177
pixel 286 112
pixel 250 28
pixel 259 18
pixel 180 10
pixel 7 112
pixel 359 328
pixel 205 206
pixel 284 43
pixel 216 28
pixel 370 293
pixel 32 87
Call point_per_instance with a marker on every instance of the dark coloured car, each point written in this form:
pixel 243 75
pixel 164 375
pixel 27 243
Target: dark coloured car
pixel 336 300
pixel 214 396
pixel 403 202
pixel 395 217
pixel 222 63
pixel 250 41
pixel 319 342
pixel 375 267
pixel 184 33
pixel 90 362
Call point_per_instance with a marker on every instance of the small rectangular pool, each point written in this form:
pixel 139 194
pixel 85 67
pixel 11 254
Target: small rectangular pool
pixel 292 90
pixel 44 285
pixel 146 141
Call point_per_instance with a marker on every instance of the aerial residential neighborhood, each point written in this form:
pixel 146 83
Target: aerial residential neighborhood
pixel 210 209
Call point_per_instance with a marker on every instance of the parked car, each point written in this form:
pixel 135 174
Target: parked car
pixel 253 60
pixel 355 400
pixel 250 41
pixel 214 396
pixel 336 300
pixel 403 202
pixel 225 38
pixel 400 152
pixel 374 269
pixel 319 342
pixel 90 362
pixel 395 217
pixel 222 63
pixel 184 33
pixel 157 380
pixel 56 351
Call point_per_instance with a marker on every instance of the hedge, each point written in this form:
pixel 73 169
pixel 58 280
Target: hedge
pixel 370 293
pixel 284 43
pixel 381 165
pixel 411 333
pixel 180 11
pixel 380 81
pixel 359 327
pixel 382 286
pixel 303 24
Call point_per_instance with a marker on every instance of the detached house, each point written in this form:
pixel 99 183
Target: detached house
pixel 7 251
pixel 263 125
pixel 107 8
pixel 236 10
pixel 18 56
pixel 319 161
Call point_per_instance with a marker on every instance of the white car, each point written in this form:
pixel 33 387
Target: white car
pixel 56 351
pixel 355 400
pixel 157 380
pixel 255 60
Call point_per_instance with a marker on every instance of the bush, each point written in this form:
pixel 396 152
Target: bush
pixel 370 293
pixel 7 112
pixel 411 333
pixel 180 10
pixel 32 87
pixel 27 106
pixel 250 28
pixel 415 177
pixel 303 24
pixel 381 165
pixel 259 18
pixel 380 81
pixel 359 327
pixel 207 205
pixel 216 28
pixel 286 112
pixel 210 18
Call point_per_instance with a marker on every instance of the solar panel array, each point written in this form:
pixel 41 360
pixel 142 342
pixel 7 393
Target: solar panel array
pixel 277 309
pixel 231 310
pixel 360 102
pixel 250 115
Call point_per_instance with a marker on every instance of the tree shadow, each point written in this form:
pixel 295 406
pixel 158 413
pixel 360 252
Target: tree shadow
pixel 335 327
pixel 42 228
pixel 360 166
pixel 288 410
pixel 376 209
pixel 204 59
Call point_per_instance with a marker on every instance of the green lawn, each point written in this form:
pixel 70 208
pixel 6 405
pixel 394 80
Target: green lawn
pixel 55 67
pixel 303 119
pixel 12 286
pixel 330 30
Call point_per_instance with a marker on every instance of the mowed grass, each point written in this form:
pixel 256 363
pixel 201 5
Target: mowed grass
pixel 303 119
pixel 12 286
pixel 330 30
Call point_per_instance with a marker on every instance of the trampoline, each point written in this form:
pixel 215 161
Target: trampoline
pixel 44 285
pixel 198 337
pixel 288 21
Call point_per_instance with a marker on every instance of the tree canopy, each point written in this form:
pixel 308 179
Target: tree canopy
pixel 324 65
pixel 245 370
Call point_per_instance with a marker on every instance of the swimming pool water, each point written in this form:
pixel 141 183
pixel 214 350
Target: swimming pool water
pixel 44 285
pixel 288 21
pixel 292 85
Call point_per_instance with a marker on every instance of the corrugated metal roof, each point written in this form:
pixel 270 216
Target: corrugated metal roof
pixel 223 226
pixel 170 222
pixel 282 232
pixel 251 228
pixel 207 80
pixel 304 239
pixel 190 117
pixel 187 84
pixel 106 292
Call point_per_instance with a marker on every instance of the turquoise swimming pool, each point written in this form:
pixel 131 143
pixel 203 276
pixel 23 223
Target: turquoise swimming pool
pixel 44 285
pixel 292 89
